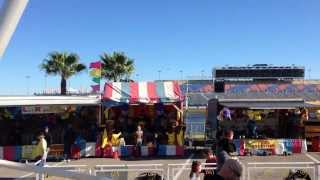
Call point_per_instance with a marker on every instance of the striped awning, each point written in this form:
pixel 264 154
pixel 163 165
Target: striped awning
pixel 143 92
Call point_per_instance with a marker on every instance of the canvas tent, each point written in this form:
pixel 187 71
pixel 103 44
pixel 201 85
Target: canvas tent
pixel 143 92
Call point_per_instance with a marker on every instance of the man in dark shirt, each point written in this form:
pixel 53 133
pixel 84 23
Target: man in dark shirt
pixel 226 148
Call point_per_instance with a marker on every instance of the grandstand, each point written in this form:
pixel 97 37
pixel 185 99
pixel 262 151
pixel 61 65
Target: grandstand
pixel 200 91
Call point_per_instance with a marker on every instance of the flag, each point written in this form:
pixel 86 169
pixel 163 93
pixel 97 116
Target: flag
pixel 96 80
pixel 96 65
pixel 95 73
pixel 95 88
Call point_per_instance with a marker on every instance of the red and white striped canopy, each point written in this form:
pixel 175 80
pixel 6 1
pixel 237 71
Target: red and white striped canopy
pixel 143 92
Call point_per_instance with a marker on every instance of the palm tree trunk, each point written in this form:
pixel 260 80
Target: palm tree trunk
pixel 63 86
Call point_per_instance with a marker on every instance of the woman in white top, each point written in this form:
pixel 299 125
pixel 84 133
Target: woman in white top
pixel 139 136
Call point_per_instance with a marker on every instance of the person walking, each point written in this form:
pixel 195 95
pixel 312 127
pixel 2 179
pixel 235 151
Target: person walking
pixel 41 150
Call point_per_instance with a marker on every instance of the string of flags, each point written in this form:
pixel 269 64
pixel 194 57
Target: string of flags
pixel 95 73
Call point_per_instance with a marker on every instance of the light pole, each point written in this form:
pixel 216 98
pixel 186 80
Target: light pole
pixel 202 74
pixel 159 75
pixel 309 73
pixel 27 80
pixel 45 83
pixel 181 75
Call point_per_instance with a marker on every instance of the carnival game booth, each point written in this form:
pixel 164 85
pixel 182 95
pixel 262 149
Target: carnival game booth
pixel 155 106
pixel 263 126
pixel 23 117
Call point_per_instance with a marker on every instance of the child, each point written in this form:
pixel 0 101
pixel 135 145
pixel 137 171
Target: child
pixel 195 170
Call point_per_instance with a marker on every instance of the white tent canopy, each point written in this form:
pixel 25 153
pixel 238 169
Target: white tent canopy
pixel 48 100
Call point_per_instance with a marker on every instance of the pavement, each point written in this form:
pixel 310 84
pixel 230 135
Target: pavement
pixel 263 170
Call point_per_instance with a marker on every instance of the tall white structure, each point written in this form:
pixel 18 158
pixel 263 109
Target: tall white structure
pixel 10 15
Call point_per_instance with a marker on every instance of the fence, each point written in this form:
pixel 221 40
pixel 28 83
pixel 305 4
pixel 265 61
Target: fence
pixel 279 170
pixel 173 168
pixel 55 171
pixel 251 171
pixel 128 171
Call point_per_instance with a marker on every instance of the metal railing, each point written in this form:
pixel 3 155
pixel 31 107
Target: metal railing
pixel 115 170
pixel 55 171
pixel 267 169
pixel 172 168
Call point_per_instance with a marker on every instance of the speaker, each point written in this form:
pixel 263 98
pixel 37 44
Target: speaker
pixel 219 86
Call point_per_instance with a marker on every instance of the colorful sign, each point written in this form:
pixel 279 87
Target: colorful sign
pixel 260 144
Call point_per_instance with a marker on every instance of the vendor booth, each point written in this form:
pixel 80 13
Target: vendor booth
pixel 262 126
pixel 156 107
pixel 22 118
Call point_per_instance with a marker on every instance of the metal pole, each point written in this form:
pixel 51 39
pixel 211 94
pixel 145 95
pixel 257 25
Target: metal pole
pixel 27 81
pixel 45 83
pixel 10 15
pixel 187 93
pixel 159 73
pixel 202 74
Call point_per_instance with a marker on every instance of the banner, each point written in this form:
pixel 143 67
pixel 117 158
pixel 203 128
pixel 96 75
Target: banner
pixel 260 143
pixel 43 109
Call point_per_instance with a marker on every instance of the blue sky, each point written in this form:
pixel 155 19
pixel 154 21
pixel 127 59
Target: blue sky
pixel 162 35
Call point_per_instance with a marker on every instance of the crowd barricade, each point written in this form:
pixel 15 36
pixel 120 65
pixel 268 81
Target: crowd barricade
pixel 279 170
pixel 127 171
pixel 181 171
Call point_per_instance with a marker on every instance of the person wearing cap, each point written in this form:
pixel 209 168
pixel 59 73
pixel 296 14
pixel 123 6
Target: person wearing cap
pixel 231 170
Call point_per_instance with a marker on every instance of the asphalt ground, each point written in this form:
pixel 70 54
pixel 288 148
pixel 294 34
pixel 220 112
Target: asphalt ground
pixel 262 171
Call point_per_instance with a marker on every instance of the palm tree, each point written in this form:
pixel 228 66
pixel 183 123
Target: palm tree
pixel 117 66
pixel 63 64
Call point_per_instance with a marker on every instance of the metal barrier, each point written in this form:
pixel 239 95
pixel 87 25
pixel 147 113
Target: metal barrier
pixel 52 171
pixel 172 168
pixel 121 171
pixel 267 169
pixel 69 168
